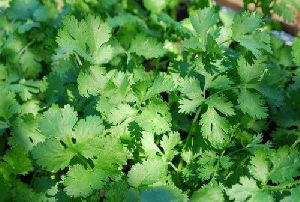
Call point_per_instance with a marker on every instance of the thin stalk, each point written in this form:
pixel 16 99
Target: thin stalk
pixel 227 40
pixel 295 143
pixel 190 134
pixel 78 60
pixel 26 46
pixel 282 186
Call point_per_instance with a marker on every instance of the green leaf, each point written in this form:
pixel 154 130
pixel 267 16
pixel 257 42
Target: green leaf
pixel 259 168
pixel 92 81
pixel 168 143
pixel 245 30
pixel 81 182
pixel 87 38
pixel 162 194
pixel 220 82
pixel 296 51
pixel 294 197
pixel 286 164
pixel 162 83
pixel 123 112
pixel 252 104
pixel 149 145
pixel 147 173
pixel 18 161
pixel 155 117
pixel 284 9
pixel 256 43
pixel 204 19
pixel 220 103
pixel 87 134
pixel 117 192
pixel 208 192
pixel 155 6
pixel 147 47
pixel 261 196
pixel 214 127
pixel 240 192
pixel 246 23
pixel 188 106
pixel 191 95
pixel 61 121
pixel 8 104
pixel 25 133
pixel 111 155
pixel 249 72
pixel 51 155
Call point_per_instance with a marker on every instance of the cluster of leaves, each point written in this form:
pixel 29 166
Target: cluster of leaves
pixel 120 101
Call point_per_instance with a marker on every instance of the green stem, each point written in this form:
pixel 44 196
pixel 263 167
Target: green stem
pixel 26 46
pixel 295 143
pixel 227 40
pixel 282 186
pixel 190 134
pixel 247 86
pixel 180 165
pixel 236 151
pixel 78 60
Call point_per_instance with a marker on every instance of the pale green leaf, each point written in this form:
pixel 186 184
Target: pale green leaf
pixel 208 192
pixel 214 127
pixel 147 46
pixel 204 19
pixel 149 145
pixel 220 103
pixel 249 72
pixel 91 82
pixel 147 173
pixel 253 104
pixel 81 182
pixel 155 6
pixel 245 189
pixel 61 121
pixel 51 155
pixel 259 167
pixel 168 143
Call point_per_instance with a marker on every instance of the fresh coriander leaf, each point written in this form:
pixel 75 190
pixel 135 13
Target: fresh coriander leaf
pixel 220 103
pixel 204 19
pixel 155 117
pixel 147 47
pixel 214 127
pixel 62 121
pixel 192 95
pixel 81 182
pixel 87 38
pixel 259 166
pixel 147 173
pixel 208 192
pixel 245 189
pixel 252 103
pixel 51 155
pixel 286 165
pixel 91 82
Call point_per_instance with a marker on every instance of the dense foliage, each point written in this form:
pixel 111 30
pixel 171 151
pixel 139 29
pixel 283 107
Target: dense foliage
pixel 127 100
